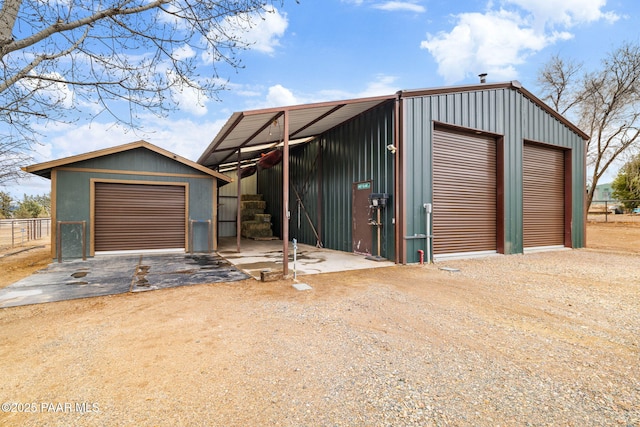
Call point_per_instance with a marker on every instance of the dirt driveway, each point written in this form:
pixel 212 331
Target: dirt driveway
pixel 542 339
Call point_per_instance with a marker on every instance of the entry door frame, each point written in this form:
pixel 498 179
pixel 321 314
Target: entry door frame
pixel 361 230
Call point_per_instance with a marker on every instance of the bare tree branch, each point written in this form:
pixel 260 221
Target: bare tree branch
pixel 605 103
pixel 55 57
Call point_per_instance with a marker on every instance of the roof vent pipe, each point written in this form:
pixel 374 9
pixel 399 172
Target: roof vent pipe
pixel 483 77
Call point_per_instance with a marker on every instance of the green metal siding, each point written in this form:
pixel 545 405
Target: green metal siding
pixel 501 111
pixel 355 151
pixel 73 192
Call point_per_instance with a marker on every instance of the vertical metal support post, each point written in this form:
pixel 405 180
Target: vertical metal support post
pixel 239 200
pixel 285 196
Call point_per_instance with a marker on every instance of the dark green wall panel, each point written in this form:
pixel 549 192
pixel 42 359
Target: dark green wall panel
pixel 355 151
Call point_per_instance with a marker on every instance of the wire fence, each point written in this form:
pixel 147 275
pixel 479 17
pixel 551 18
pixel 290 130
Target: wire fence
pixel 20 232
pixel 614 211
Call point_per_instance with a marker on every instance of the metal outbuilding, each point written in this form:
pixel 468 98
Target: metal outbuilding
pixel 454 171
pixel 132 197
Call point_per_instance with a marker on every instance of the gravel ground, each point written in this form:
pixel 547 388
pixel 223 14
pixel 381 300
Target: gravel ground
pixel 544 339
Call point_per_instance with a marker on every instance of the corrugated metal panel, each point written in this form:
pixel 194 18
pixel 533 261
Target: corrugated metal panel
pixel 543 196
pixel 136 216
pixel 355 151
pixel 502 111
pixel 228 203
pixel 464 193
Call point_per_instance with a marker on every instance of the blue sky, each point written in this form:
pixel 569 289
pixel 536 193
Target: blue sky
pixel 341 49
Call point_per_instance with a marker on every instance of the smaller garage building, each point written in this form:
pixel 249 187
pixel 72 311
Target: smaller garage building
pixel 133 197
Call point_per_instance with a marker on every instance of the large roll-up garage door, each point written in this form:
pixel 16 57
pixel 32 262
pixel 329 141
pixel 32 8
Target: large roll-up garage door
pixel 464 193
pixel 543 196
pixel 138 216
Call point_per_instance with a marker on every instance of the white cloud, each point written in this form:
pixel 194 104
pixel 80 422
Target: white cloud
pixel 566 13
pixel 382 85
pixel 260 31
pixel 183 52
pixel 478 43
pixel 279 96
pixel 400 6
pixel 184 137
pixel 497 41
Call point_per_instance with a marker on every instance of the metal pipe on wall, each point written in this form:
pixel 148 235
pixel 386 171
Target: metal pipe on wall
pixel 428 208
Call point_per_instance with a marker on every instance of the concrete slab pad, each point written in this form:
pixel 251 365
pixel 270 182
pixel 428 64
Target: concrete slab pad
pixel 110 275
pixel 256 256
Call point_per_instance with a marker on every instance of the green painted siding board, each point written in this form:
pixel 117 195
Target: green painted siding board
pixel 73 191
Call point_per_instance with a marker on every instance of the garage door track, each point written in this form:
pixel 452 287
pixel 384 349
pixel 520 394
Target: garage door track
pixel 110 275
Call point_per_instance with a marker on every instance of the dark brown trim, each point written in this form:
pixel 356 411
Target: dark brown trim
pixel 401 185
pixel 343 103
pixel 396 184
pixel 285 196
pixel 568 199
pixel 567 189
pixel 212 148
pixel 317 119
pixel 500 234
pixel 466 130
pixel 248 140
pixel 455 89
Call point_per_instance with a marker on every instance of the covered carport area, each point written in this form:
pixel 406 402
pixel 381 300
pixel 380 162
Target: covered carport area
pixel 251 139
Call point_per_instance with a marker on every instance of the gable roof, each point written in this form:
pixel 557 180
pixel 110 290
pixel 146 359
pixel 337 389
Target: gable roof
pixel 257 131
pixel 515 85
pixel 44 169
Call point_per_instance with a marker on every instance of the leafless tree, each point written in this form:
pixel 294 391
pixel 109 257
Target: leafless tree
pixel 61 59
pixel 604 103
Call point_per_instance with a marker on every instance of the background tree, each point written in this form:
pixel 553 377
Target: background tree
pixel 63 59
pixel 29 207
pixel 604 103
pixel 626 185
pixel 5 205
pixel 45 202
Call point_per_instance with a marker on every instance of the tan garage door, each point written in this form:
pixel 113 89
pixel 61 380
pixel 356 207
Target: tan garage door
pixel 464 193
pixel 543 196
pixel 138 216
